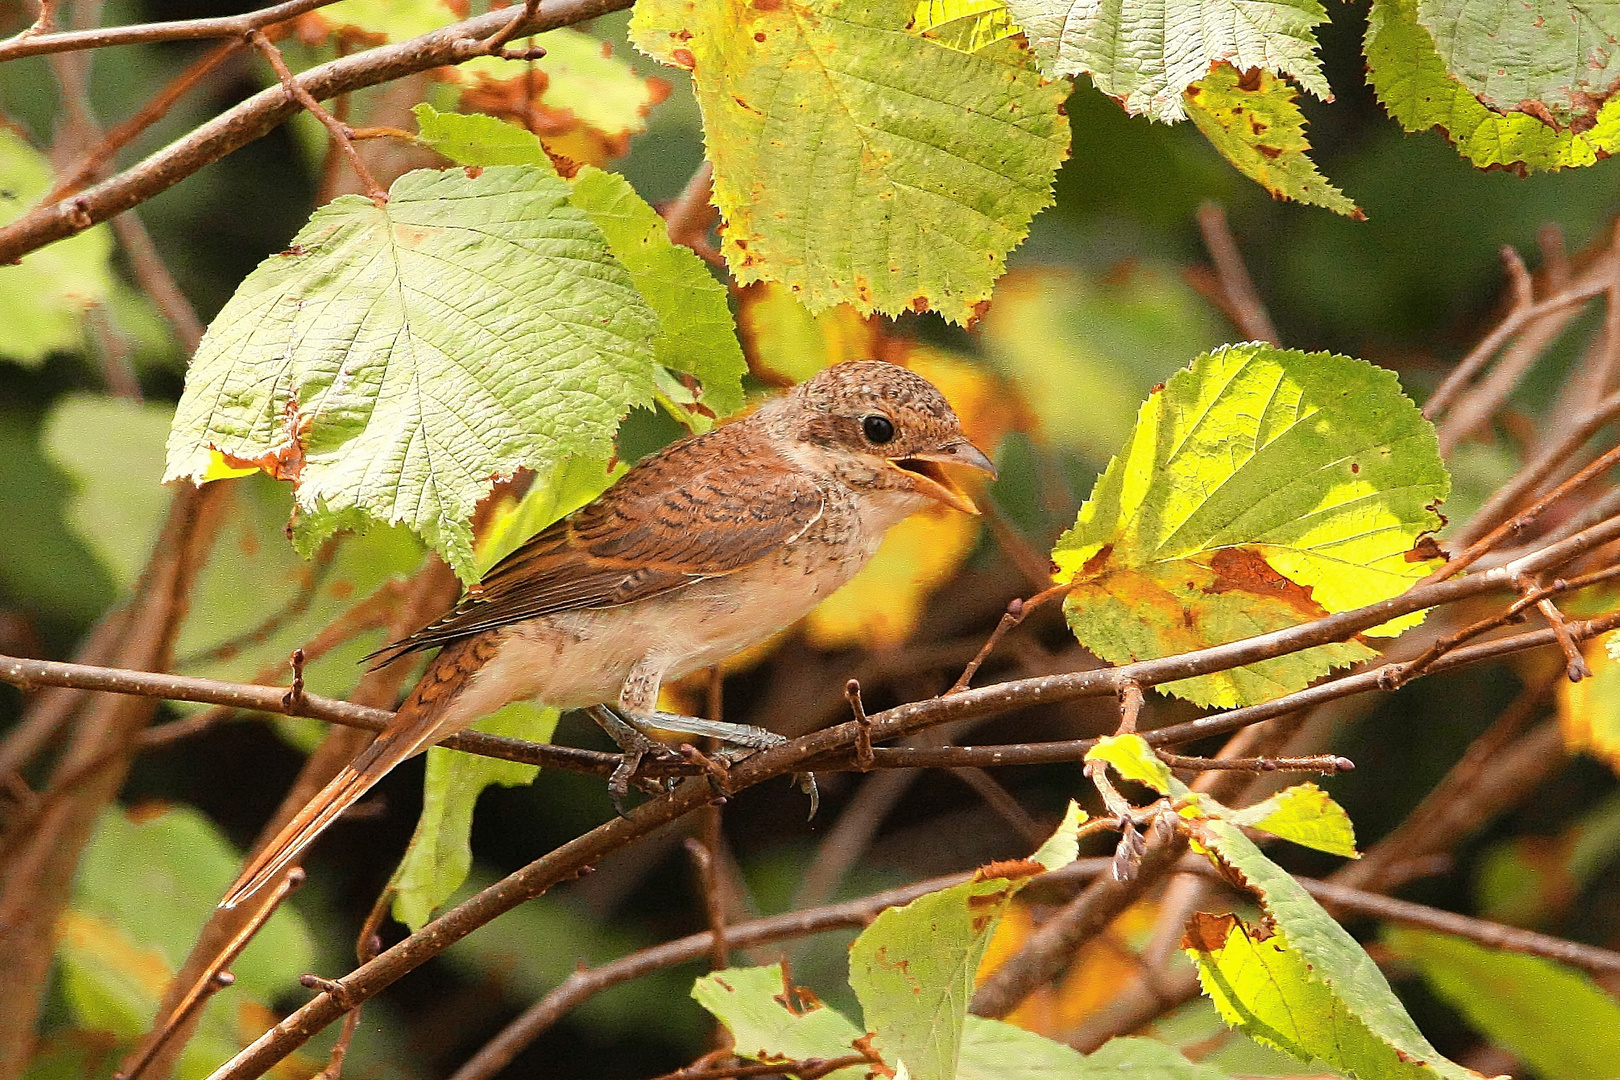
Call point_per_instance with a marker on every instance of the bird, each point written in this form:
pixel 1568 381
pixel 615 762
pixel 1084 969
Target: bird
pixel 697 552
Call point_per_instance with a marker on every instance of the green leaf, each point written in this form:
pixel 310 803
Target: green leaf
pixel 477 139
pixel 440 855
pixel 43 299
pixel 1553 1018
pixel 1134 759
pixel 1411 80
pixel 1144 53
pixel 857 163
pixel 1299 982
pixel 993 1050
pixel 768 1022
pixel 913 970
pixel 1261 488
pixel 397 358
pixel 1253 120
pixel 698 335
pixel 112 449
pixel 1306 815
pixel 1063 846
pixel 965 25
pixel 1553 59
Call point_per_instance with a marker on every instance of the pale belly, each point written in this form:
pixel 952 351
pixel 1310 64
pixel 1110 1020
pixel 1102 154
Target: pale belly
pixel 622 654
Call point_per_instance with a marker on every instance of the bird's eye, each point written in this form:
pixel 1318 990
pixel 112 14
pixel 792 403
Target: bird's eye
pixel 878 429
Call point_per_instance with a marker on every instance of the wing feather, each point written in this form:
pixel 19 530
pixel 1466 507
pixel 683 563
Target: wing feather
pixel 703 508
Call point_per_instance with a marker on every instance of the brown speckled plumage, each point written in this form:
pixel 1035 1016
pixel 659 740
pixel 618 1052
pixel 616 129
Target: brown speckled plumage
pixel 698 551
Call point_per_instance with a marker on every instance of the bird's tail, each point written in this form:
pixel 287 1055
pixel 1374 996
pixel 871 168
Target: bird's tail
pixel 418 725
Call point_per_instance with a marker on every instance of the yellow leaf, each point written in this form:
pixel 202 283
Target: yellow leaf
pixel 1589 710
pixel 220 468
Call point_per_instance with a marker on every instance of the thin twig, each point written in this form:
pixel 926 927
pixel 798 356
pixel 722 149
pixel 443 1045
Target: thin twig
pixel 1242 301
pixel 263 112
pixel 32 43
pixel 338 131
pixel 1326 764
pixel 692 214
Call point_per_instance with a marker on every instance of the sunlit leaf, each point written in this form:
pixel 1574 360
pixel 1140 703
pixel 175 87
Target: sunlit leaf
pixel 1555 1019
pixel 856 163
pixel 1252 119
pixel 1144 53
pixel 1063 846
pixel 697 334
pixel 397 358
pixel 112 449
pixel 993 1050
pixel 1306 815
pixel 1115 335
pixel 1298 981
pixel 586 104
pixel 965 25
pixel 768 1022
pixel 1553 59
pixel 1261 488
pixel 1407 73
pixel 1589 710
pixel 1134 759
pixel 43 299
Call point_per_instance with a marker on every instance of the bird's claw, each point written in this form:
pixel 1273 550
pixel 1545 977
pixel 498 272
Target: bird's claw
pixel 626 773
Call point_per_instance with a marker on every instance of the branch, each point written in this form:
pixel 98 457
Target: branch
pixel 1242 301
pixel 261 113
pixel 31 43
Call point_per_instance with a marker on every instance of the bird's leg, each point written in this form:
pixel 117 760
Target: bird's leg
pixel 635 746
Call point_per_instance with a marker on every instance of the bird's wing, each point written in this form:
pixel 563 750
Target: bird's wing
pixel 679 518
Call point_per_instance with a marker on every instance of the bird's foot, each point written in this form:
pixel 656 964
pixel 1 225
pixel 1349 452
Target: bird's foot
pixel 635 747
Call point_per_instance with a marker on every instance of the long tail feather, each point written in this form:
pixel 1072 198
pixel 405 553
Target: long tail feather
pixel 345 789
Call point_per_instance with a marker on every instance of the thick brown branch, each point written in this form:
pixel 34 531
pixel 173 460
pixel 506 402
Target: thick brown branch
pixel 262 112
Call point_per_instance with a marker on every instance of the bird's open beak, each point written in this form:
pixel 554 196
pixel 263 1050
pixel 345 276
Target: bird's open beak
pixel 933 481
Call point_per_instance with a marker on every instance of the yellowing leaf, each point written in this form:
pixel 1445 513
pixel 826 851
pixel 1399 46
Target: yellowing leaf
pixel 857 163
pixel 1261 488
pixel 881 605
pixel 1306 815
pixel 784 339
pixel 1589 710
pixel 220 469
pixel 965 25
pixel 382 20
pixel 1252 119
pixel 1406 71
pixel 587 102
pixel 1134 759
pixel 1063 846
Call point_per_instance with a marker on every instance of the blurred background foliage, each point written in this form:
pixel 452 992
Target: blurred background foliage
pixel 1104 296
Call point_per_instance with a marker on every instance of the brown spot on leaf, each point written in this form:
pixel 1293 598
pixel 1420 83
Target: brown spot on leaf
pixel 1270 153
pixel 759 36
pixel 683 58
pixel 1426 549
pixel 1097 565
pixel 1239 569
pixel 1008 869
pixel 1207 933
pixel 473 171
pixel 1249 81
pixel 294 251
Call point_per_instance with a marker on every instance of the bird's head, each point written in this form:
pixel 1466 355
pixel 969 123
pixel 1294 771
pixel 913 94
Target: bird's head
pixel 881 428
